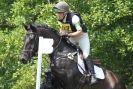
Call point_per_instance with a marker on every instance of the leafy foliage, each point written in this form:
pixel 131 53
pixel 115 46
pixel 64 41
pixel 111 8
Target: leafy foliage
pixel 109 23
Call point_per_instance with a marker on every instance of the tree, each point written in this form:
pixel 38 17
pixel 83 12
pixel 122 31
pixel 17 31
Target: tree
pixel 109 25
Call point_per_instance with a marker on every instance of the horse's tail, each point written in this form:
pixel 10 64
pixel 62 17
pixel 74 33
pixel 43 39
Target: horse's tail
pixel 115 81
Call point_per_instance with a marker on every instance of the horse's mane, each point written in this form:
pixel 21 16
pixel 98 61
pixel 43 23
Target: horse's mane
pixel 64 39
pixel 41 26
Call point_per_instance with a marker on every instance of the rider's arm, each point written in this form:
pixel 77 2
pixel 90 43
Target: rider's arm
pixel 76 23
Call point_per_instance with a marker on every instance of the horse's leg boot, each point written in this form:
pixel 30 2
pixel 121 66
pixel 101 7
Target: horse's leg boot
pixel 90 68
pixel 48 77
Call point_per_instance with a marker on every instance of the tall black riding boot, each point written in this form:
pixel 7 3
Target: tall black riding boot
pixel 90 67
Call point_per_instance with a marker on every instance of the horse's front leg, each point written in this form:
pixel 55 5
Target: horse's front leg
pixel 51 84
pixel 70 82
pixel 46 86
pixel 54 86
pixel 69 85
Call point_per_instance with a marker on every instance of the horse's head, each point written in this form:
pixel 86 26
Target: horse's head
pixel 31 40
pixel 30 46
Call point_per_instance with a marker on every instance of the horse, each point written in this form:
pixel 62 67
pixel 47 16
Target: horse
pixel 65 73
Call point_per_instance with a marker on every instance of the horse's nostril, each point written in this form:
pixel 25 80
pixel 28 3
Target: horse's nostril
pixel 23 61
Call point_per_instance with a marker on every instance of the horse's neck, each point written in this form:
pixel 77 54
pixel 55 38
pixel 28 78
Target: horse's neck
pixel 69 44
pixel 62 51
pixel 66 45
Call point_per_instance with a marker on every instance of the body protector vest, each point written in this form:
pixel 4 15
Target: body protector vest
pixel 68 26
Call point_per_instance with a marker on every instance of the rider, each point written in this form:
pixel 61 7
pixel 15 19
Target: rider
pixel 73 27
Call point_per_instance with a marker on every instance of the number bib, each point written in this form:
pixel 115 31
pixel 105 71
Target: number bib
pixel 66 27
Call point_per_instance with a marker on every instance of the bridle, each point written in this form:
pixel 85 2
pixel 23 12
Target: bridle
pixel 30 51
pixel 58 44
pixel 36 36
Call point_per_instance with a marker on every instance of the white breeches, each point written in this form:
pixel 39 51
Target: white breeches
pixel 83 42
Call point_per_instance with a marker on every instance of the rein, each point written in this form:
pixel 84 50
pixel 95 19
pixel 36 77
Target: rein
pixel 58 43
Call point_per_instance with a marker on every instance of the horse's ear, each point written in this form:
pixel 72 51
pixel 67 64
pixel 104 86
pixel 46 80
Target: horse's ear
pixel 33 27
pixel 26 27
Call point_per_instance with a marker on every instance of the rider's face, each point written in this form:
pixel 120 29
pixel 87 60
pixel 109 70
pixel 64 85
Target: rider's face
pixel 60 15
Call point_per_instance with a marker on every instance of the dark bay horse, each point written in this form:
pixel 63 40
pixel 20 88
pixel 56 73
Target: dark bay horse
pixel 65 71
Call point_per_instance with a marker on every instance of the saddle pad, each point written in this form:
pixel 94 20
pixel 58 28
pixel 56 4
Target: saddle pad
pixel 99 71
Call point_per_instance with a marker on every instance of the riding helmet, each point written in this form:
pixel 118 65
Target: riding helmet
pixel 61 7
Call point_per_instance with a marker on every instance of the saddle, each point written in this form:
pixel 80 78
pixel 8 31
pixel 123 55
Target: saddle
pixel 95 61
